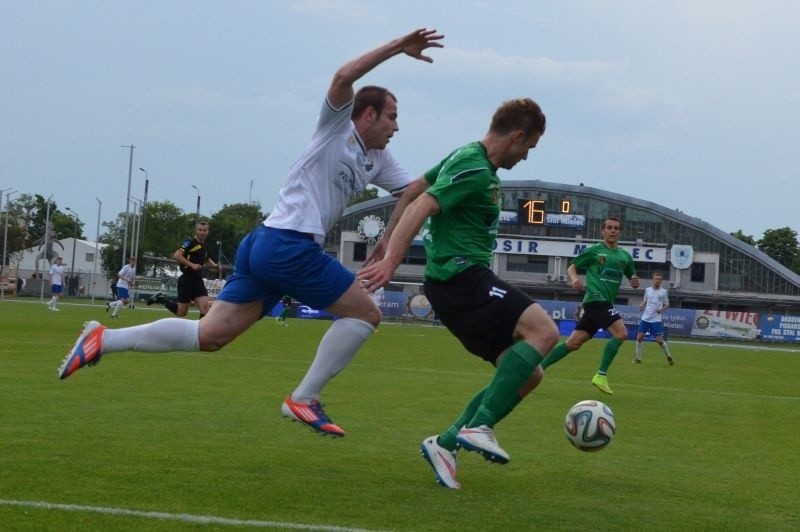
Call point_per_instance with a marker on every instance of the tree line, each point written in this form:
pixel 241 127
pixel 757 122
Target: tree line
pixel 158 230
pixel 780 244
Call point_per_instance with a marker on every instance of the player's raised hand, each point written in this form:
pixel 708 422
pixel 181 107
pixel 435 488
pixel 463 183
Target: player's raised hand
pixel 418 40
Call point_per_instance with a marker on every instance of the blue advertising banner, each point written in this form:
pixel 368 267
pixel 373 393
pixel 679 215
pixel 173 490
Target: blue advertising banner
pixel 680 322
pixel 567 314
pixel 780 328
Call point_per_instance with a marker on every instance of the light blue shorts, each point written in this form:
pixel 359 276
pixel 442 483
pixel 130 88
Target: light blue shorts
pixel 272 263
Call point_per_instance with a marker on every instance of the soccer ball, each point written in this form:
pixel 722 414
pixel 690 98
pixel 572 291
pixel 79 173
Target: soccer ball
pixel 590 425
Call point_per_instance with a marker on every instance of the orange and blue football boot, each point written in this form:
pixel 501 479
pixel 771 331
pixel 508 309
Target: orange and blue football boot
pixel 311 414
pixel 86 350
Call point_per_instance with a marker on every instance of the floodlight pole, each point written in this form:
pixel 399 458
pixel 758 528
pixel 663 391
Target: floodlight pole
pixel 127 206
pixel 74 241
pixel 197 212
pixel 8 193
pixel 46 239
pixel 96 248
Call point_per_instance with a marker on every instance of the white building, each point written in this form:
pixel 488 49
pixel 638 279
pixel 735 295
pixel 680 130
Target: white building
pixel 81 259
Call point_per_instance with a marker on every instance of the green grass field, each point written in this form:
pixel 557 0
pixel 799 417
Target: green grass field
pixel 184 441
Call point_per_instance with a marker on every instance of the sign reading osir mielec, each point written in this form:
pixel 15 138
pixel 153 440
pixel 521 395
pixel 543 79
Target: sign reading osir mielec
pixel 551 248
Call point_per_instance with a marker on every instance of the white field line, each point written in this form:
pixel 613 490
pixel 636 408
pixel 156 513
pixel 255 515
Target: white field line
pixel 185 518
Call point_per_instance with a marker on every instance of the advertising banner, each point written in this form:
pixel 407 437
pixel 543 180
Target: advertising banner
pixel 725 324
pixel 679 322
pixel 780 328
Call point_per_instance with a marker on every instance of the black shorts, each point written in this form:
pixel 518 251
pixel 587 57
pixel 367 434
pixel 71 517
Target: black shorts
pixel 190 287
pixel 480 309
pixel 597 315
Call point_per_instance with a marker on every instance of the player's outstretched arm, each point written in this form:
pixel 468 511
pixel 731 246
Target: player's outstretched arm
pixel 413 44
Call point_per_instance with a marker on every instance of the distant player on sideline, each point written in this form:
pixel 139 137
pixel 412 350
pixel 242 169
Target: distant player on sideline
pixel 287 304
pixel 654 305
pixel 192 256
pixel 606 263
pixel 126 280
pixel 56 277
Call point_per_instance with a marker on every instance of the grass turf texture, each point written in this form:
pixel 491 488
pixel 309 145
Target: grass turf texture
pixel 709 444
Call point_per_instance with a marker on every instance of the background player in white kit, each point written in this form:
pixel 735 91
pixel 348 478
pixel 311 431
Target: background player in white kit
pixel 126 280
pixel 654 305
pixel 284 255
pixel 56 277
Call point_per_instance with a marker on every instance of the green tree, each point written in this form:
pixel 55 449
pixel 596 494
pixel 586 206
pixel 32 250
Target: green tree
pixel 229 225
pixel 165 226
pixel 32 210
pixel 748 239
pixel 368 194
pixel 15 217
pixel 162 228
pixel 780 244
pixel 17 236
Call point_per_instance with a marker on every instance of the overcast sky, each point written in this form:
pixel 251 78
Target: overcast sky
pixel 691 104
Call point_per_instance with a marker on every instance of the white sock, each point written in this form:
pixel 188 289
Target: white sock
pixel 665 348
pixel 52 303
pixel 169 334
pixel 337 348
pixel 639 350
pixel 116 305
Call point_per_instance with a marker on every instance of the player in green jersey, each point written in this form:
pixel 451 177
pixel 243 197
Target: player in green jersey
pixel 606 263
pixel 493 320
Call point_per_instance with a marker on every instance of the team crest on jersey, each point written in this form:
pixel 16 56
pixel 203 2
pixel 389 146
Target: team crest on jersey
pixel 601 259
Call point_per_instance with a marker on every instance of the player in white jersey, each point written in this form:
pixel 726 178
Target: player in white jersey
pixel 284 255
pixel 126 279
pixel 654 305
pixel 56 277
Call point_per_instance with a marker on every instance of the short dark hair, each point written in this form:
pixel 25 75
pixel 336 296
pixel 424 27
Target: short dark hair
pixel 518 114
pixel 370 96
pixel 613 219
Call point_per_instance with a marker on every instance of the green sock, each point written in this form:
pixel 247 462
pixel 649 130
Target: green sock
pixel 517 399
pixel 558 352
pixel 516 367
pixel 447 439
pixel 609 352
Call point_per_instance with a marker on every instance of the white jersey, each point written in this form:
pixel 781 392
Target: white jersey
pixel 333 169
pixel 655 298
pixel 126 276
pixel 377 296
pixel 56 274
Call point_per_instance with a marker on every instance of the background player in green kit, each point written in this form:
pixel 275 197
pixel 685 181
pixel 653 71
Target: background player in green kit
pixel 493 320
pixel 286 301
pixel 605 263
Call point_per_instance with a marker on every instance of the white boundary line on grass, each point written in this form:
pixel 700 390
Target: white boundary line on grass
pixel 186 518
